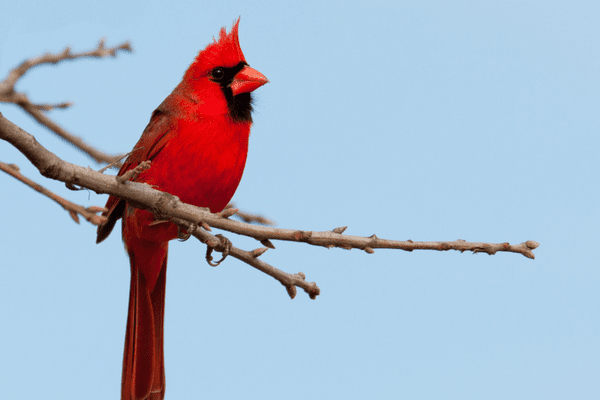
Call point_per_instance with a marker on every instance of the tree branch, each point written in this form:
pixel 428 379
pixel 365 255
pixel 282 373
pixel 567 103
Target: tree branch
pixel 144 197
pixel 73 209
pixel 97 155
pixel 249 217
pixel 7 86
pixel 8 94
pixel 290 281
pixel 139 195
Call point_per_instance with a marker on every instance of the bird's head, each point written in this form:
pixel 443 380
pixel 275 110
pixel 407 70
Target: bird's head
pixel 222 65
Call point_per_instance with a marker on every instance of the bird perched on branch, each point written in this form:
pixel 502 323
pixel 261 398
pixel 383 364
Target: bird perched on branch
pixel 197 142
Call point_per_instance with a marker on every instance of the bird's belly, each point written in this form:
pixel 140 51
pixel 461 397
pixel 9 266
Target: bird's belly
pixel 201 169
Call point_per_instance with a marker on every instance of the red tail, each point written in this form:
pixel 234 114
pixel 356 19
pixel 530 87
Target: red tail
pixel 143 361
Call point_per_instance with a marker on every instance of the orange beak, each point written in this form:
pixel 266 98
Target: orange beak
pixel 247 80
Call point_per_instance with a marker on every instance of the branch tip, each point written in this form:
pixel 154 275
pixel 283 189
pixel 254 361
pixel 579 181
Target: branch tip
pixel 291 290
pixel 74 216
pixel 228 212
pixel 340 230
pixel 314 291
pixel 267 242
pixel 96 209
pixel 133 173
pixel 259 252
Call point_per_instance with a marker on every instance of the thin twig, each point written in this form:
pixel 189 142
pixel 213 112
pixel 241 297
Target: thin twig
pixel 76 141
pixel 50 107
pixel 8 84
pixel 8 94
pixel 73 209
pixel 290 281
pixel 116 161
pixel 249 217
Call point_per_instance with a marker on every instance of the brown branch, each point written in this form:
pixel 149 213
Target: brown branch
pixel 50 107
pixel 117 160
pixel 144 197
pixel 8 94
pixel 249 217
pixel 133 173
pixel 8 84
pixel 290 281
pixel 73 209
pixel 137 194
pixel 76 141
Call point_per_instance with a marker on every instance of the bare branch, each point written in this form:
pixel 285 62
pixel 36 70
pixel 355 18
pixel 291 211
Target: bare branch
pixel 229 211
pixel 290 281
pixel 143 196
pixel 97 155
pixel 168 206
pixel 117 160
pixel 248 217
pixel 73 209
pixel 8 84
pixel 8 94
pixel 133 173
pixel 139 195
pixel 50 107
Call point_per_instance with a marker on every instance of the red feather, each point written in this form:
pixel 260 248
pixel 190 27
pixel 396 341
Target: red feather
pixel 197 140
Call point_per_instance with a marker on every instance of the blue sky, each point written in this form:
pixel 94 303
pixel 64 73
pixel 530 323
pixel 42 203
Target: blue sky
pixel 425 121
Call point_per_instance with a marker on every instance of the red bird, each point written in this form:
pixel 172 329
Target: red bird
pixel 197 140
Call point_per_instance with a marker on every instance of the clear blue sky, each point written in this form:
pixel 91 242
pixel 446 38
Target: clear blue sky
pixel 426 121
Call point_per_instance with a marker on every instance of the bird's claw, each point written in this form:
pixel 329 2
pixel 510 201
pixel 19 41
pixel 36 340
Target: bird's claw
pixel 224 247
pixel 182 236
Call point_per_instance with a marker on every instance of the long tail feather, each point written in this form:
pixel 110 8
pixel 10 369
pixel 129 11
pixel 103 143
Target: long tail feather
pixel 143 360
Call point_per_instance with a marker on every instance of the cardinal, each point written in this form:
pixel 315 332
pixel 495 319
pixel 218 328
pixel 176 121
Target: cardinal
pixel 197 143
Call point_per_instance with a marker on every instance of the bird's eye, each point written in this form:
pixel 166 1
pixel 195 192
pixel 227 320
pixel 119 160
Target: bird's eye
pixel 217 73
